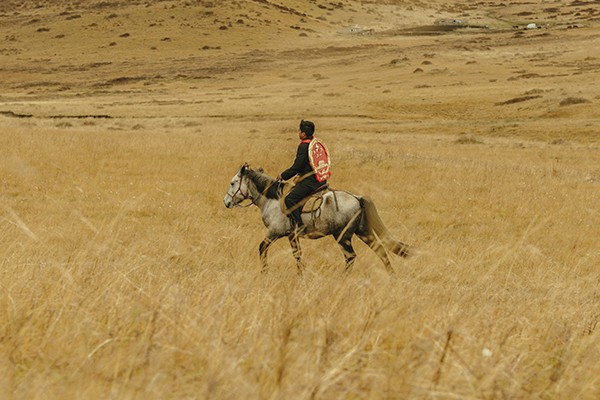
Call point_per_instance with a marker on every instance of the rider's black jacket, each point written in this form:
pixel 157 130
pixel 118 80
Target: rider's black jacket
pixel 302 167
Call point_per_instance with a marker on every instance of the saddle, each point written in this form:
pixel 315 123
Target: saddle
pixel 310 204
pixel 313 202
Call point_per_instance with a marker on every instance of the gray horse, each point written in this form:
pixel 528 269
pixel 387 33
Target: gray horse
pixel 340 214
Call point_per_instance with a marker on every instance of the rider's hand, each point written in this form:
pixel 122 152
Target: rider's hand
pixel 278 178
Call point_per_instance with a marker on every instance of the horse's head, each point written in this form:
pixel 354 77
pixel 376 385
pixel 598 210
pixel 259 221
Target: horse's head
pixel 238 188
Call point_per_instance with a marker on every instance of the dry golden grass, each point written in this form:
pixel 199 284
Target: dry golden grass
pixel 122 275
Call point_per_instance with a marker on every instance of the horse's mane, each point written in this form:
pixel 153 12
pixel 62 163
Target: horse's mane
pixel 267 186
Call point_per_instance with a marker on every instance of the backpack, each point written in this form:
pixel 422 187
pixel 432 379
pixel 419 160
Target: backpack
pixel 319 159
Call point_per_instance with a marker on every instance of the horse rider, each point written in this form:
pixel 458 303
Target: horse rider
pixel 307 181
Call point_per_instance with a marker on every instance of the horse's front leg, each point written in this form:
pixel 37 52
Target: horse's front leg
pixel 297 252
pixel 263 248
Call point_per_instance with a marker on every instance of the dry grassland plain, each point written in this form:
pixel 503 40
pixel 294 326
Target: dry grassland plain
pixel 123 276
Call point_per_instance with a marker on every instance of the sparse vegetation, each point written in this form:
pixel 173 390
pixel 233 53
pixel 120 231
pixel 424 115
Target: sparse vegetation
pixel 467 139
pixel 569 101
pixel 519 99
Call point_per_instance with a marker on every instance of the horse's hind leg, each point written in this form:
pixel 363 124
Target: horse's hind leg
pixel 297 252
pixel 378 248
pixel 345 243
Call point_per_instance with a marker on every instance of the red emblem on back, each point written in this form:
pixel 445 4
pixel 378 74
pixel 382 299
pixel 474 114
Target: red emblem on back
pixel 319 159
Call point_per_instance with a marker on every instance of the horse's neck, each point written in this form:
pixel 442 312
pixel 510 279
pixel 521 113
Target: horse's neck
pixel 252 189
pixel 261 200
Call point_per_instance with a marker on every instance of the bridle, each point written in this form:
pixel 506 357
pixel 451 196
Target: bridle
pixel 245 196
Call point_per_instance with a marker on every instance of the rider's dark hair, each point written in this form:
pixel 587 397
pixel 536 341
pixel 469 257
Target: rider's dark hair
pixel 307 127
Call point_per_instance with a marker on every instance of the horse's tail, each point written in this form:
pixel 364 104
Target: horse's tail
pixel 376 226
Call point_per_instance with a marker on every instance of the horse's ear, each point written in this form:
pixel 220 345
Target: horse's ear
pixel 244 168
pixel 261 169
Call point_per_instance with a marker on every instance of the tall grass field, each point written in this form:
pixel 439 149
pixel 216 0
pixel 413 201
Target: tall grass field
pixel 124 276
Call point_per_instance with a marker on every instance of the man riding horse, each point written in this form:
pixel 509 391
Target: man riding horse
pixel 311 167
pixel 340 214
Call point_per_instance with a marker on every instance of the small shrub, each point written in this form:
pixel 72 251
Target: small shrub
pixel 569 101
pixel 467 139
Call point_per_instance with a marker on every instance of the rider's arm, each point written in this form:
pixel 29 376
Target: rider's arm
pixel 299 163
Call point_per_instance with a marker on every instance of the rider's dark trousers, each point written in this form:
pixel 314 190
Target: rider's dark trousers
pixel 300 192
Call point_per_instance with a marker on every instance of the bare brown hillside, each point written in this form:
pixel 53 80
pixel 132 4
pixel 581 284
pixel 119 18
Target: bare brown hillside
pixel 261 58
